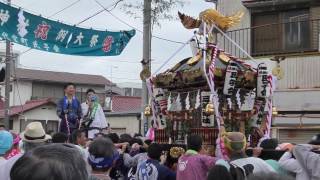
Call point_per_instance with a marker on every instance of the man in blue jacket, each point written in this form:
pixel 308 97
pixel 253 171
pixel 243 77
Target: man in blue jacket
pixel 153 169
pixel 69 110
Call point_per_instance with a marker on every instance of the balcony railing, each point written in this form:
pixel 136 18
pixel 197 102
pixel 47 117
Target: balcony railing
pixel 274 39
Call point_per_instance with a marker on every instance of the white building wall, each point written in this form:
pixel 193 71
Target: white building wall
pixel 16 125
pixel 21 92
pixel 130 123
pixel 297 100
pixel 300 72
pixel 46 112
pixel 42 113
pixel 243 37
pixel 84 88
pixel 299 90
pixel 22 88
pixel 229 7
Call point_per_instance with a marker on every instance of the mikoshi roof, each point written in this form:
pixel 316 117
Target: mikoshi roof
pixel 190 75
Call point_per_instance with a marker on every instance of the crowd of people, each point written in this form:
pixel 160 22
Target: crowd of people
pixel 34 155
pixel 85 148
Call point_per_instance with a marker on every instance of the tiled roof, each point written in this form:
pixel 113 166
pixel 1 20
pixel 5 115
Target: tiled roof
pixel 14 110
pixel 62 77
pixel 126 104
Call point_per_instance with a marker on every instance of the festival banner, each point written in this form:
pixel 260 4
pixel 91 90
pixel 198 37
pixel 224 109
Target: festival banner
pixel 43 34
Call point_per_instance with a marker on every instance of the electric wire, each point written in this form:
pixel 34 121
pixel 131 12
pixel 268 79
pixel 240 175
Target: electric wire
pixel 124 22
pixel 99 12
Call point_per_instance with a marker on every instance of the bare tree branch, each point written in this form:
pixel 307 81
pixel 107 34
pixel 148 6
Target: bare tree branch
pixel 115 4
pixel 161 9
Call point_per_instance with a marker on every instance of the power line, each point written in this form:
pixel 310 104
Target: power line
pixel 99 12
pixel 63 9
pixel 122 21
pixel 172 56
pixel 91 16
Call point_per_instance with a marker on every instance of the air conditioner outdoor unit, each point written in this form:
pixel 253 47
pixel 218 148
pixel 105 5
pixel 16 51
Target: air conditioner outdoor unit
pixel 108 103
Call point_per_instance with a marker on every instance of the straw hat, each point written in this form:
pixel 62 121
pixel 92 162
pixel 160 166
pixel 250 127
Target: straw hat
pixel 35 133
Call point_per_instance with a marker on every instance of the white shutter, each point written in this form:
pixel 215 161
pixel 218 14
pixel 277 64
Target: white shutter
pixel 298 136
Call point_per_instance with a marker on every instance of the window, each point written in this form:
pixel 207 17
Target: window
pixel 296 30
pixel 49 126
pixel 81 96
pixel 281 32
pixel 52 126
pixel 45 90
pixel 137 92
pixel 265 38
pixel 128 91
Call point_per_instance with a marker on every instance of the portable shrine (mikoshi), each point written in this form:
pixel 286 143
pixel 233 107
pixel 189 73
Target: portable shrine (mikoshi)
pixel 192 96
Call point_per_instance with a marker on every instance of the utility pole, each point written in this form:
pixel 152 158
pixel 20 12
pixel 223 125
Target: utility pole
pixel 146 62
pixel 7 83
pixel 111 79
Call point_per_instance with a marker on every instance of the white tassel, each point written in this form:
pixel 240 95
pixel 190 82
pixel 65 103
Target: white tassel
pixel 229 103
pixel 252 97
pixel 216 99
pixel 169 106
pixel 188 102
pixel 178 103
pixel 238 98
pixel 198 104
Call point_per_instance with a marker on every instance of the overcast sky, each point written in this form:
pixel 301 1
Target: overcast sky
pixel 126 67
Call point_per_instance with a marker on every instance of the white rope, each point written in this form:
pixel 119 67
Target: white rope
pixel 172 56
pixel 236 44
pixel 214 97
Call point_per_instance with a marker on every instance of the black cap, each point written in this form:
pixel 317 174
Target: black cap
pixel 315 140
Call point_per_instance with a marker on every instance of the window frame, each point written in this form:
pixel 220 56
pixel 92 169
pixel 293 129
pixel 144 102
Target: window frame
pixel 280 46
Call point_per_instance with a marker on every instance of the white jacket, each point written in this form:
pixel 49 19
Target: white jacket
pixel 99 121
pixel 309 161
pixel 290 164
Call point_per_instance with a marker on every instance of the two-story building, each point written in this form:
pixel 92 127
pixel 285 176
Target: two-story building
pixel 125 111
pixel 34 94
pixel 289 28
pixel 131 89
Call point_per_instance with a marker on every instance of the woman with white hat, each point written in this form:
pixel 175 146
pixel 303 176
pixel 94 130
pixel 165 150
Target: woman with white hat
pixel 33 136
